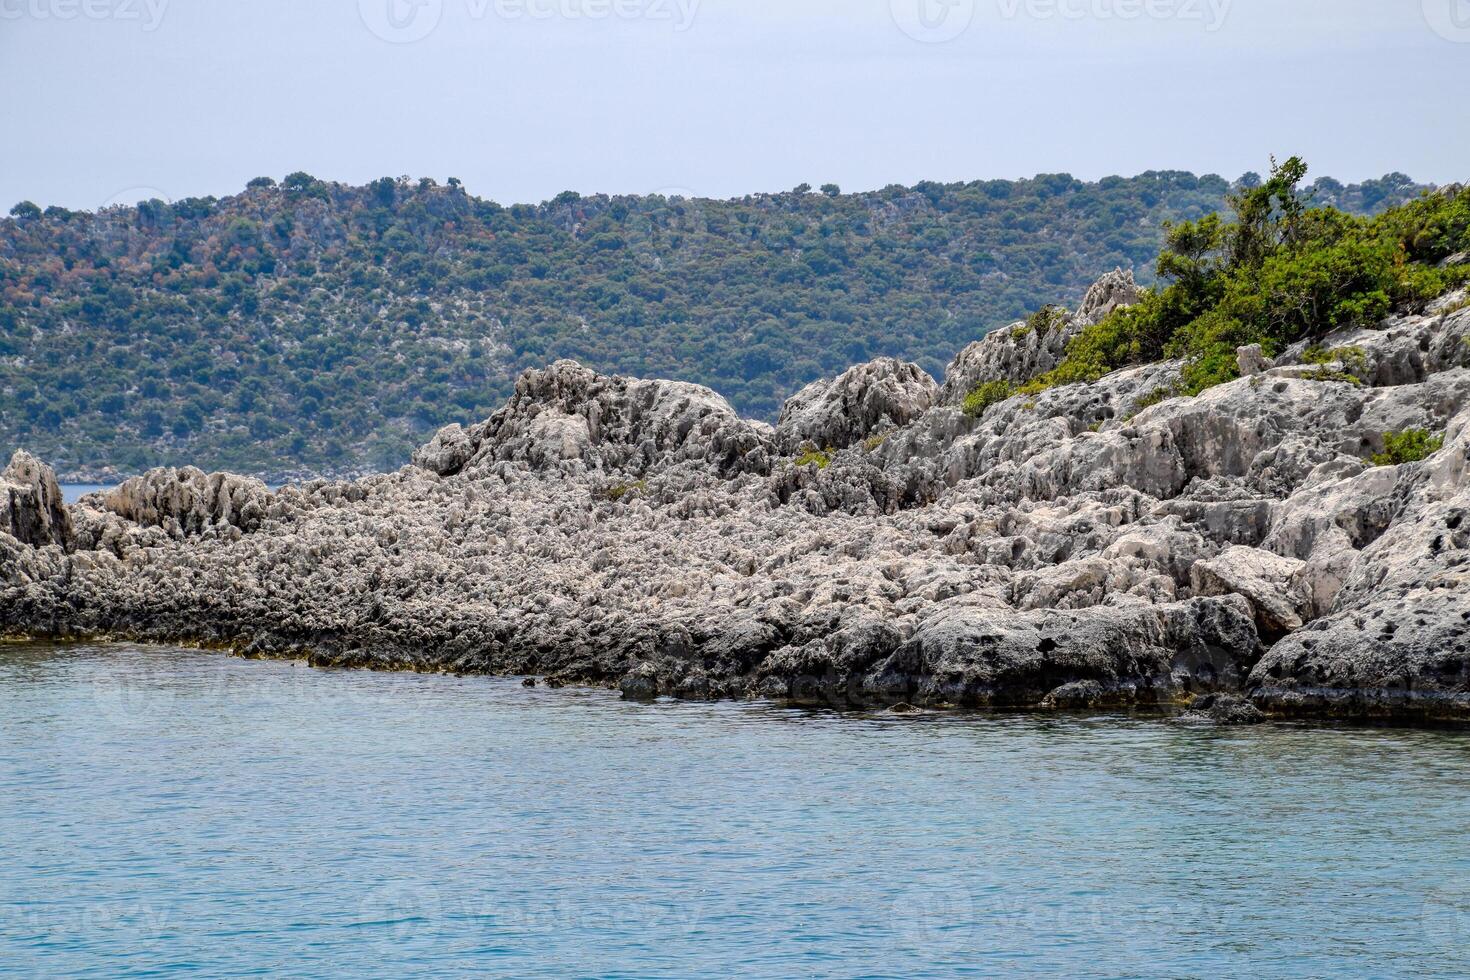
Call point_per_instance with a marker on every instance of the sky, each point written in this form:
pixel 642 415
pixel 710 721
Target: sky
pixel 113 101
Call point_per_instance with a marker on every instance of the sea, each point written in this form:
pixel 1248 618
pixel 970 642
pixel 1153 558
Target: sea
pixel 180 813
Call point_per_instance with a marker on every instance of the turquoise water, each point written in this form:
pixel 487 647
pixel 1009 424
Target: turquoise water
pixel 177 813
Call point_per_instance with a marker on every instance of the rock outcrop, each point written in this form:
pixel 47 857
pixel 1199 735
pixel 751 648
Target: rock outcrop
pixel 865 400
pixel 572 419
pixel 1089 545
pixel 1027 349
pixel 189 502
pixel 31 509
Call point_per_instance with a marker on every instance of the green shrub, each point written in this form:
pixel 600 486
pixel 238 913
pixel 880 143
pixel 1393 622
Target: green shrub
pixel 812 455
pixel 1278 273
pixel 1151 399
pixel 1050 317
pixel 1354 361
pixel 986 394
pixel 1409 446
pixel 618 491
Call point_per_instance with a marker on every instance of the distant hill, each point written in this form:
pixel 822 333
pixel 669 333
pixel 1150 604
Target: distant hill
pixel 306 325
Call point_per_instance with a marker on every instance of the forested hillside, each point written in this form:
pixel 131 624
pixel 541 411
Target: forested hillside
pixel 318 326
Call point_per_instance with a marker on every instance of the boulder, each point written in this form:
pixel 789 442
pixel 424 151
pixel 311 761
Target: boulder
pixel 447 452
pixel 1251 360
pixel 1272 584
pixel 1222 709
pixel 569 414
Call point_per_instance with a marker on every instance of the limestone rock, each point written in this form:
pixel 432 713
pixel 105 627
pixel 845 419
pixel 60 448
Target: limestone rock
pixel 1091 545
pixel 188 502
pixel 446 453
pixel 1271 583
pixel 1250 360
pixel 1222 709
pixel 31 508
pixel 869 398
pixel 568 414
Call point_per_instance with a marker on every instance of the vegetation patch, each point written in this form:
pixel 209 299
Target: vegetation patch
pixel 986 394
pixel 1050 317
pixel 821 458
pixel 1276 272
pixel 618 491
pixel 1159 394
pixel 1353 363
pixel 1408 446
pixel 308 323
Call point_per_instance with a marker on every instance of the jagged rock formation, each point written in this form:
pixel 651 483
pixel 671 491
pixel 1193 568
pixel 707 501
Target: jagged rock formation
pixel 570 415
pixel 1022 351
pixel 1068 549
pixel 31 510
pixel 867 399
pixel 189 502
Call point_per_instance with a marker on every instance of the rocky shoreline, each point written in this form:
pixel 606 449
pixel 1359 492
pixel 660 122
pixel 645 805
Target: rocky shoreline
pixel 1089 545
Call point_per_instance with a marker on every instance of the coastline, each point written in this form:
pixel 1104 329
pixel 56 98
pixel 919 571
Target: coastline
pixel 1225 708
pixel 1087 546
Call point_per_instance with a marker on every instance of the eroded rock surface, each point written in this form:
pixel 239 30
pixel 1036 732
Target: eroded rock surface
pixel 188 502
pixel 31 509
pixel 867 399
pixel 1089 545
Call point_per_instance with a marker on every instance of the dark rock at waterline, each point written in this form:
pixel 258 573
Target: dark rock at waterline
pixel 1222 709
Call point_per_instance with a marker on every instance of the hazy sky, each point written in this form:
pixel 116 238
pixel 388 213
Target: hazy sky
pixel 115 100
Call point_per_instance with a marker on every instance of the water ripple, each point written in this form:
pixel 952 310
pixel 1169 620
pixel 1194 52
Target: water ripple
pixel 176 813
